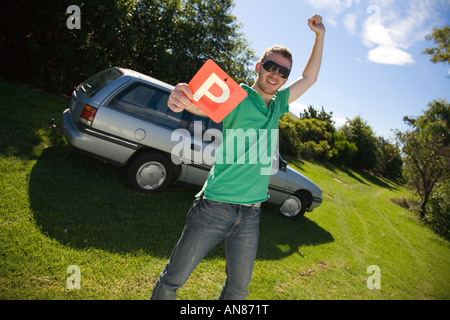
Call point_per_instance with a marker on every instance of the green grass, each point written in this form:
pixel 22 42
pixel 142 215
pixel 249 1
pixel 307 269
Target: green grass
pixel 60 208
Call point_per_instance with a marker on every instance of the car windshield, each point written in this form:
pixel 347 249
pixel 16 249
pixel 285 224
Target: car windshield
pixel 92 85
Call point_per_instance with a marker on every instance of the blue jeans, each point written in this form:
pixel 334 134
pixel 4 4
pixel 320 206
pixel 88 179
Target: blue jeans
pixel 207 224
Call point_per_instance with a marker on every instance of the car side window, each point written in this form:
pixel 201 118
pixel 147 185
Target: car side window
pixel 199 122
pixel 206 123
pixel 147 102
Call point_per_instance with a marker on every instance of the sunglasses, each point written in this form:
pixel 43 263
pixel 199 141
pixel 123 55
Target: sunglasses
pixel 271 66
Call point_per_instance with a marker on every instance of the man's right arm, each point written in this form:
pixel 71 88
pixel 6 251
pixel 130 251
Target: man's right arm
pixel 180 99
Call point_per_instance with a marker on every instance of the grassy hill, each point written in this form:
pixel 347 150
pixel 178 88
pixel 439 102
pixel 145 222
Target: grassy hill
pixel 59 208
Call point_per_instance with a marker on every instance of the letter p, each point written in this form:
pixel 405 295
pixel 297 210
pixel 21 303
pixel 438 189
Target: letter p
pixel 207 85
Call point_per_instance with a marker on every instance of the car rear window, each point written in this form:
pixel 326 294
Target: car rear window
pixel 147 102
pixel 92 85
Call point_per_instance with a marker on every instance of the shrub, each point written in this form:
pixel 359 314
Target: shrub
pixel 289 142
pixel 343 150
pixel 319 151
pixel 438 208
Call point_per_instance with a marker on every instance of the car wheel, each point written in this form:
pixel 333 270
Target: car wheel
pixel 149 172
pixel 294 207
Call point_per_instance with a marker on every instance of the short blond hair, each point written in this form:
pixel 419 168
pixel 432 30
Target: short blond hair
pixel 277 49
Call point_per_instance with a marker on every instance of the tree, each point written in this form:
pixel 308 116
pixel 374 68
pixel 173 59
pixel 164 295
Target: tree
pixel 343 150
pixel 167 39
pixel 441 37
pixel 426 149
pixel 361 134
pixel 207 29
pixel 289 141
pixel 312 113
pixel 174 38
pixel 390 161
pixel 438 208
pixel 315 139
pixel 41 49
pixel 155 42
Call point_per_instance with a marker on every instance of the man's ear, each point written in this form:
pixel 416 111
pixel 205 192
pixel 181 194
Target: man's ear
pixel 257 67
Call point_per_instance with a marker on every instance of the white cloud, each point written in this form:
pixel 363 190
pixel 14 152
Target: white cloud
pixel 336 6
pixel 330 21
pixel 297 108
pixel 393 30
pixel 390 55
pixel 390 28
pixel 377 34
pixel 330 9
pixel 339 120
pixel 350 23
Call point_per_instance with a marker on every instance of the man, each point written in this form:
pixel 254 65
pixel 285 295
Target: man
pixel 228 207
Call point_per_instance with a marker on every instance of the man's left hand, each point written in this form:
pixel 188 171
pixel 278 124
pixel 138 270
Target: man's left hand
pixel 315 24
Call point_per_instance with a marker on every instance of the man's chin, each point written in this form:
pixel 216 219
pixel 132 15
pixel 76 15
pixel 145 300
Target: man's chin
pixel 270 90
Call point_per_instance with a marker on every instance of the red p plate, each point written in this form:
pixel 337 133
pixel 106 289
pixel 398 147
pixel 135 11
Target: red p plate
pixel 215 93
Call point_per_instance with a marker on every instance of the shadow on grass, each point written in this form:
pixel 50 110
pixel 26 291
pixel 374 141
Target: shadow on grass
pixel 363 178
pixel 83 203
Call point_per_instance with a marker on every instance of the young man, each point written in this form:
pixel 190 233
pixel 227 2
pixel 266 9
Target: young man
pixel 228 207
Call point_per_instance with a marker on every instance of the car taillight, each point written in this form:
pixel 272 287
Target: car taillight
pixel 88 114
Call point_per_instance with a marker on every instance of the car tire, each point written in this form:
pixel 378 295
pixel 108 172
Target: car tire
pixel 149 172
pixel 294 207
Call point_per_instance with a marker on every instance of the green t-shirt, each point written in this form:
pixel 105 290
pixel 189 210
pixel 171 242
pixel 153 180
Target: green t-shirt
pixel 241 170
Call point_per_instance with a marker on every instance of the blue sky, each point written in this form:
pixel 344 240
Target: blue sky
pixel 372 64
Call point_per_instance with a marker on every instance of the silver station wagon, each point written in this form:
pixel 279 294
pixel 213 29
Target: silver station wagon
pixel 121 116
